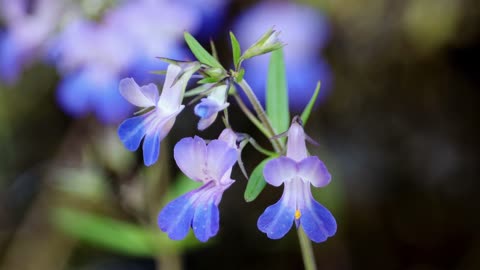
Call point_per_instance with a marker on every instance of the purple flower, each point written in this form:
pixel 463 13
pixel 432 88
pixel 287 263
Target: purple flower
pixel 297 171
pixel 210 164
pixel 154 125
pixel 209 107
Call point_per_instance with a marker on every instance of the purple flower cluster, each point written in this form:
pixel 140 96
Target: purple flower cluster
pixel 211 163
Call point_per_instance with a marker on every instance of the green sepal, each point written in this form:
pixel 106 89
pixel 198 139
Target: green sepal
pixel 236 51
pixel 200 53
pixel 239 75
pixel 208 80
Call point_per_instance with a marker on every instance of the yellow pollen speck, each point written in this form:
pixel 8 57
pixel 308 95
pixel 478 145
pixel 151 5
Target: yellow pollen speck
pixel 297 214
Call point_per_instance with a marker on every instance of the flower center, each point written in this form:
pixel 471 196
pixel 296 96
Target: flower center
pixel 298 214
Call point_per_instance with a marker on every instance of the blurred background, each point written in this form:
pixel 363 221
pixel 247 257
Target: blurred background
pixel 396 120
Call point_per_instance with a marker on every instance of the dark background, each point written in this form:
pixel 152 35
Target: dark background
pixel 398 132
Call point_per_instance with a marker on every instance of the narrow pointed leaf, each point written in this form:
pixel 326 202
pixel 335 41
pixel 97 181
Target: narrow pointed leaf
pixel 235 49
pixel 308 109
pixel 256 182
pixel 200 53
pixel 277 93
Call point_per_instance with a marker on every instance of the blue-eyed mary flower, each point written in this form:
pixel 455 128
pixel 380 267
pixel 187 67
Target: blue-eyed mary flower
pixel 210 164
pixel 154 125
pixel 297 171
pixel 209 107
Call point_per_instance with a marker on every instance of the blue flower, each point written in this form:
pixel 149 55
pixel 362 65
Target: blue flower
pixel 297 171
pixel 92 90
pixel 209 107
pixel 210 164
pixel 154 125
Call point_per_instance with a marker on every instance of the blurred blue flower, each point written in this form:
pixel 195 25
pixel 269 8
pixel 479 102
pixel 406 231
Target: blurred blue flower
pixel 305 32
pixel 95 90
pixel 210 164
pixel 123 43
pixel 297 171
pixel 28 26
pixel 212 15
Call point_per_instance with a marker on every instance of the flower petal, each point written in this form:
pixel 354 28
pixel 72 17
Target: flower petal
pixel 277 220
pixel 220 158
pixel 206 220
pixel 312 169
pixel 132 130
pixel 279 170
pixel 151 148
pixel 204 123
pixel 206 108
pixel 145 96
pixel 175 219
pixel 190 155
pixel 317 222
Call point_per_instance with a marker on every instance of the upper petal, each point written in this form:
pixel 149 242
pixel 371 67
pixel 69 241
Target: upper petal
pixel 144 96
pixel 206 220
pixel 220 158
pixel 317 222
pixel 312 169
pixel 176 217
pixel 277 220
pixel 190 155
pixel 279 170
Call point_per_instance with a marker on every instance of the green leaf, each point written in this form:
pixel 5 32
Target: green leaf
pixel 235 50
pixel 308 109
pixel 117 235
pixel 207 80
pixel 256 183
pixel 277 95
pixel 200 53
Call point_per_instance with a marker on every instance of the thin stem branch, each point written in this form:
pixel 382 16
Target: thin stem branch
pixel 261 114
pixel 250 115
pixel 261 149
pixel 307 251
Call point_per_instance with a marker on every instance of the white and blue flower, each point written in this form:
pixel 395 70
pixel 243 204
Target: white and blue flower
pixel 209 107
pixel 210 164
pixel 297 171
pixel 154 125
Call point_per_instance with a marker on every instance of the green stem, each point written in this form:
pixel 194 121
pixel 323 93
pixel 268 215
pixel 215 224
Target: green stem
pixel 307 251
pixel 261 114
pixel 250 115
